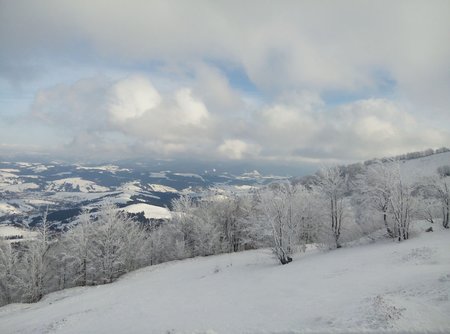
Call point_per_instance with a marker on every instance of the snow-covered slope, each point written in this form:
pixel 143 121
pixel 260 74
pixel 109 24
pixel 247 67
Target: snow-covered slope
pixel 161 188
pixel 75 184
pixel 7 231
pixel 150 211
pixel 382 287
pixel 8 209
pixel 415 169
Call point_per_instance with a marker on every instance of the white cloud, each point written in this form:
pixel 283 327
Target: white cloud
pixel 237 149
pixel 356 130
pixel 132 117
pixel 192 111
pixel 131 98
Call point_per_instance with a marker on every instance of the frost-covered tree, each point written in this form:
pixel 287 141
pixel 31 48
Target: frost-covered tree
pixel 108 243
pixel 402 205
pixel 79 243
pixel 376 187
pixel 332 184
pixel 35 265
pixel 286 213
pixel 429 208
pixel 439 188
pixel 9 275
pixel 183 226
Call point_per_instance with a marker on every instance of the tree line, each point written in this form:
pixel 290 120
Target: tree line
pixel 329 210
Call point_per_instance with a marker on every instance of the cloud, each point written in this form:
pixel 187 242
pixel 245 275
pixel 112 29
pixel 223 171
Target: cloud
pixel 319 80
pixel 78 106
pixel 308 45
pixel 131 98
pixel 238 149
pixel 130 116
pixel 172 123
pixel 356 130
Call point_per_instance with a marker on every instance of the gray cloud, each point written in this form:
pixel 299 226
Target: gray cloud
pixel 306 44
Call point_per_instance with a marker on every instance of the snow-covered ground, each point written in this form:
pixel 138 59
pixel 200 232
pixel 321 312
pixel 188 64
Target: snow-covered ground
pixel 415 169
pixel 20 187
pixel 75 184
pixel 150 211
pixel 10 231
pixel 107 168
pixel 380 287
pixel 8 209
pixel 161 188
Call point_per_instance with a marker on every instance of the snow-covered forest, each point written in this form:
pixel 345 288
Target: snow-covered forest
pixel 329 210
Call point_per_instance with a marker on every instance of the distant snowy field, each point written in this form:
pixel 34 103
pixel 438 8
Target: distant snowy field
pixel 380 287
pixel 150 211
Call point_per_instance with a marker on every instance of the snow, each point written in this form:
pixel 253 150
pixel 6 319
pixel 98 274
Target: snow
pixel 127 191
pixel 150 211
pixel 380 287
pixel 161 188
pixel 75 184
pixel 415 169
pixel 40 168
pixel 39 202
pixel 108 168
pixel 78 196
pixel 7 177
pixel 251 175
pixel 8 231
pixel 189 175
pixel 132 187
pixel 161 175
pixel 8 209
pixel 20 187
pixel 9 170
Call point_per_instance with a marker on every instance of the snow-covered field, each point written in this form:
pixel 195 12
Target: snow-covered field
pixel 415 169
pixel 75 183
pixel 10 231
pixel 150 211
pixel 8 209
pixel 161 188
pixel 380 287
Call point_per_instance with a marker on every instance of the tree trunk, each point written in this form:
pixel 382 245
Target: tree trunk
pixel 446 217
pixel 388 229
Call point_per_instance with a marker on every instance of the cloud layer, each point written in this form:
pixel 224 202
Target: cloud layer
pixel 303 81
pixel 298 127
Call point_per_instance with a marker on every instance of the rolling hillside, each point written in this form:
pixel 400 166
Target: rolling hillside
pixel 379 287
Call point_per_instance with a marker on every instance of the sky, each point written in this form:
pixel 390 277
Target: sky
pixel 295 82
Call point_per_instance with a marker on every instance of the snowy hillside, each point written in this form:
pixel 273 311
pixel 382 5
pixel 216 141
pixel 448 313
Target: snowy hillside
pixel 415 169
pixel 386 286
pixel 11 233
pixel 150 211
pixel 161 188
pixel 75 184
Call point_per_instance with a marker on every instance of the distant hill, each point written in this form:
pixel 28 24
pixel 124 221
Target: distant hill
pixel 28 188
